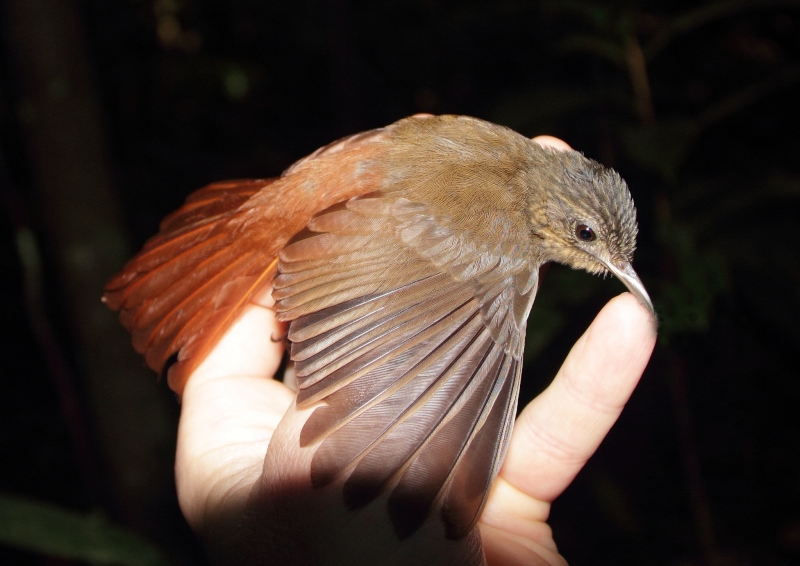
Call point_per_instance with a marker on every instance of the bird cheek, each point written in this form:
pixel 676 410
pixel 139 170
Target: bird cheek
pixel 597 260
pixel 586 262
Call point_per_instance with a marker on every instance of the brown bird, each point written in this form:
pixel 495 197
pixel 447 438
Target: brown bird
pixel 407 260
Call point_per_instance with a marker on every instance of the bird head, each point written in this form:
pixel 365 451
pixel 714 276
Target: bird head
pixel 587 219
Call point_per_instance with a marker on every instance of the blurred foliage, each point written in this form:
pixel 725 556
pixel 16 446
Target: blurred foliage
pixel 700 263
pixel 694 103
pixel 50 530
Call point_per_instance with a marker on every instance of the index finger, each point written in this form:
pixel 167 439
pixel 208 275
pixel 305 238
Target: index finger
pixel 559 430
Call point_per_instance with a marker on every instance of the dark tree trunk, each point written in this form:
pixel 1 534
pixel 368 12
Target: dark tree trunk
pixel 60 120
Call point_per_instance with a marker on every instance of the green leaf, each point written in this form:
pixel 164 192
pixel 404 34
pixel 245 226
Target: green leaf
pixel 686 299
pixel 607 49
pixel 537 111
pixel 561 289
pixel 660 147
pixel 46 529
pixel 732 203
pixel 705 14
pixel 615 503
pixel 614 19
pixel 596 15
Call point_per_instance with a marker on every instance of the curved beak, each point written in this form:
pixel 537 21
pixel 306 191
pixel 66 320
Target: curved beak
pixel 627 275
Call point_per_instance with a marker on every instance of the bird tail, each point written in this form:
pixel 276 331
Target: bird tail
pixel 191 281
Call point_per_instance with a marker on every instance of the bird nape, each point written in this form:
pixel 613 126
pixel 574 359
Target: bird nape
pixel 406 260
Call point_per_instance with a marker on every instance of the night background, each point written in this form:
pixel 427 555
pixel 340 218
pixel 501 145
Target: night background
pixel 111 112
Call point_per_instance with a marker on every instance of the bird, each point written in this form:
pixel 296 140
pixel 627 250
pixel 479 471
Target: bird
pixel 405 260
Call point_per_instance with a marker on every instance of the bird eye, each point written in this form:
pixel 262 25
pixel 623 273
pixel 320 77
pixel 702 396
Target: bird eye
pixel 583 232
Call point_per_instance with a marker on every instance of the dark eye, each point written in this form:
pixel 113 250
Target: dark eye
pixel 585 233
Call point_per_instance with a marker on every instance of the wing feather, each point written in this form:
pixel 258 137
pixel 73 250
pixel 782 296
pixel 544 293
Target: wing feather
pixel 470 485
pixel 412 336
pixel 428 473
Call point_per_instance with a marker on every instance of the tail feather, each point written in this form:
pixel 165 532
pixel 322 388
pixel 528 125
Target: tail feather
pixel 170 310
pixel 190 282
pixel 166 276
pixel 190 300
pixel 211 201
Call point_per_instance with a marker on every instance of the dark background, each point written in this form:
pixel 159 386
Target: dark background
pixel 112 112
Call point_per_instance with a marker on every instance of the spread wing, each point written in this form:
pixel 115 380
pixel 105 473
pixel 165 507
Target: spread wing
pixel 411 333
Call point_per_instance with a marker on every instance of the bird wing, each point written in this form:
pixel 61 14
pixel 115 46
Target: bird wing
pixel 412 335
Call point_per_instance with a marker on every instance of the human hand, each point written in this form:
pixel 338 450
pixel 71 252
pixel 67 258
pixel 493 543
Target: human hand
pixel 232 408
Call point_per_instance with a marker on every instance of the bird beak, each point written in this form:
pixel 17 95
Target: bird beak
pixel 627 275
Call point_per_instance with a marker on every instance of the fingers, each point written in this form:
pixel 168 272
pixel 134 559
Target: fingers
pixel 248 348
pixel 554 143
pixel 230 408
pixel 560 429
pixel 514 530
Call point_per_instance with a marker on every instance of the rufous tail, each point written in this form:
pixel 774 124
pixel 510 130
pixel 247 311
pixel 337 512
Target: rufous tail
pixel 190 282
